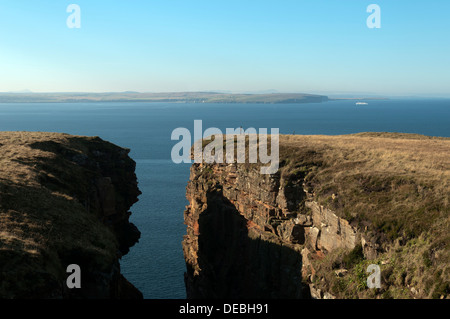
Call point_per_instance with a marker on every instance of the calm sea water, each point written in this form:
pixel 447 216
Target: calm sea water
pixel 155 265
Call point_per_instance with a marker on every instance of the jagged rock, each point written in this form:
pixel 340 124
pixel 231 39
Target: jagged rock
pixel 370 248
pixel 327 295
pixel 316 293
pixel 313 235
pixel 341 272
pixel 335 232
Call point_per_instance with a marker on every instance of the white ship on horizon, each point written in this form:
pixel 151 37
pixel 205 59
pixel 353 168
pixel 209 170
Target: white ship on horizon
pixel 362 103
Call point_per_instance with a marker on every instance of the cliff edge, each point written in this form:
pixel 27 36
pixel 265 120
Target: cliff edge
pixel 336 205
pixel 64 200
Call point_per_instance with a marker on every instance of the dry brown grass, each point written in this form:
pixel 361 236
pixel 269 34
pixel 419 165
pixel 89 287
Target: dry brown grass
pixel 405 178
pixel 43 221
pixel 395 182
pixel 394 187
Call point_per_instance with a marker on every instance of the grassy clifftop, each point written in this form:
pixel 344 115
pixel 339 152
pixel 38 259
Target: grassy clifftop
pixel 64 200
pixel 397 183
pixel 393 187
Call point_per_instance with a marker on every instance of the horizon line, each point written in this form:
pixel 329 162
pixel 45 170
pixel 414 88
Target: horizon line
pixel 336 95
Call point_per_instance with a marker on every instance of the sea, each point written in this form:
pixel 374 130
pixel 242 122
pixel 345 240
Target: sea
pixel 155 265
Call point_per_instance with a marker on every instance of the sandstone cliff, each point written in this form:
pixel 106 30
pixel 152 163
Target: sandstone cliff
pixel 64 200
pixel 337 205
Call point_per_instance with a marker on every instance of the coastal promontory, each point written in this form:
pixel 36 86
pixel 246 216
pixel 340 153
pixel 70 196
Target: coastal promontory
pixel 64 200
pixel 352 216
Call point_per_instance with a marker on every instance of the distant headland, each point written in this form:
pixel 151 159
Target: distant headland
pixel 175 97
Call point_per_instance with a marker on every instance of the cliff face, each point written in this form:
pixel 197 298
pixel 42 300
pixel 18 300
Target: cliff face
pixel 64 200
pixel 231 247
pixel 247 238
pixel 311 229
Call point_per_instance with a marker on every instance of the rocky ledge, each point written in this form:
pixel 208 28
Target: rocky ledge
pixel 337 205
pixel 64 200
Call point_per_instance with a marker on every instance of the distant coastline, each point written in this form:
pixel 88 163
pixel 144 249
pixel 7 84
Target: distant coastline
pixel 359 98
pixel 173 97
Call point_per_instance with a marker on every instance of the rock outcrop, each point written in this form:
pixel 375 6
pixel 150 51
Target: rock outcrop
pixel 232 247
pixel 306 230
pixel 64 200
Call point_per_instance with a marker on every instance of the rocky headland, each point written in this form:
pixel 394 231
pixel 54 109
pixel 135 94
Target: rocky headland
pixel 336 205
pixel 64 200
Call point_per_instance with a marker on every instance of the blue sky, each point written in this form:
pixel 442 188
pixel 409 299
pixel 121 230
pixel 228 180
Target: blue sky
pixel 314 46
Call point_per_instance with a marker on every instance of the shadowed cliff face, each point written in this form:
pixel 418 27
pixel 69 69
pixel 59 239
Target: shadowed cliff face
pixel 231 248
pixel 236 262
pixel 64 200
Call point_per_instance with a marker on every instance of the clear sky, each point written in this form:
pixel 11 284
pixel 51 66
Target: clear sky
pixel 313 46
